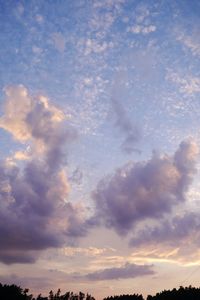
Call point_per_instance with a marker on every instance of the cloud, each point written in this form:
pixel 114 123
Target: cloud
pixel 93 46
pixel 141 29
pixel 76 176
pixel 142 24
pixel 174 232
pixel 76 224
pixel 180 236
pixel 191 41
pixel 90 251
pixel 188 85
pixel 126 271
pixel 33 195
pixel 130 130
pixel 34 119
pixel 145 190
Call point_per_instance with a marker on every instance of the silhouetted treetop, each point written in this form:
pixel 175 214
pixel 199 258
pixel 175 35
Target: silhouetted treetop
pixel 14 292
pixel 187 293
pixel 125 297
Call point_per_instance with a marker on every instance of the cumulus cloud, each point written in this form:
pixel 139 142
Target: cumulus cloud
pixel 123 272
pixel 33 195
pixel 145 190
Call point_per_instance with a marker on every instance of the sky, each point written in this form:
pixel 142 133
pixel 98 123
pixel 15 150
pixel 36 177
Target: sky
pixel 100 137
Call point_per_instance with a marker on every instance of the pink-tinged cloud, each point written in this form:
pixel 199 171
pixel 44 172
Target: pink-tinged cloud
pixel 34 214
pixel 145 190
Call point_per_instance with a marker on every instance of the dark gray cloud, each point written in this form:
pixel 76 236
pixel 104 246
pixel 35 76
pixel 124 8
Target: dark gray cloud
pixel 143 190
pixel 126 271
pixel 17 257
pixel 33 212
pixel 28 203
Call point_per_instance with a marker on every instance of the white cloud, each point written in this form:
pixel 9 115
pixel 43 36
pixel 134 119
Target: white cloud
pixel 188 84
pixel 191 42
pixel 95 46
pixel 141 29
pixel 31 119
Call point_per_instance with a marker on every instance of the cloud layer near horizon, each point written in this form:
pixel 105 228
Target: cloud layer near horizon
pixel 126 271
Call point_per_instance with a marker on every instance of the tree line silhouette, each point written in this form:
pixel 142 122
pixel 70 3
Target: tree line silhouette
pixel 125 297
pixel 14 292
pixel 183 293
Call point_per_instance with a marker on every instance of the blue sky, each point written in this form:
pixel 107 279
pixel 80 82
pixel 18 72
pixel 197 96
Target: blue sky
pixel 99 145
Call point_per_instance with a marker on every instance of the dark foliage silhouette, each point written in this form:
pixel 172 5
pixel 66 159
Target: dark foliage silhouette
pixel 187 293
pixel 14 292
pixel 66 296
pixel 125 297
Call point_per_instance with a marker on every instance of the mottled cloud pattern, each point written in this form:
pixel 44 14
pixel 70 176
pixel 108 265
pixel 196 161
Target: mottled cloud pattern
pixel 145 190
pixel 33 196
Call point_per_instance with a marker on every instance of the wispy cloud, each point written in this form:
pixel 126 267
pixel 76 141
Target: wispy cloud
pixel 127 127
pixel 90 251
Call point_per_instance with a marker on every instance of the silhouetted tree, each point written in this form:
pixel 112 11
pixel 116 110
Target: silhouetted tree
pixel 14 292
pixel 125 297
pixel 187 293
pixel 39 297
